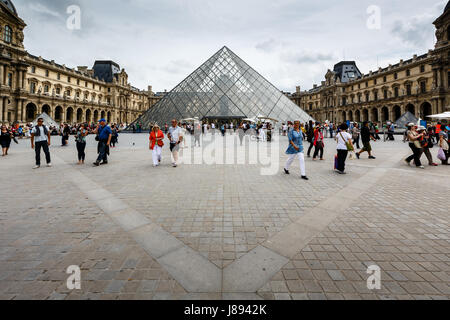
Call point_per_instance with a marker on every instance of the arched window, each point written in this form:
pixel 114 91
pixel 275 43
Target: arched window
pixel 7 34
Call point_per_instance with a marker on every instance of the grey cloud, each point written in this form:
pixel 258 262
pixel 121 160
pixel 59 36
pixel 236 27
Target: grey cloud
pixel 267 46
pixel 306 57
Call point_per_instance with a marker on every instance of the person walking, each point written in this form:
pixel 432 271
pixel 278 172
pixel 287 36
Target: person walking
pixel 66 134
pixel 356 134
pixel 444 144
pixel 318 143
pixel 104 136
pixel 156 144
pixel 175 137
pixel 115 135
pixel 295 149
pixel 40 139
pixel 426 144
pixel 414 143
pixel 366 136
pixel 310 136
pixel 81 143
pixel 344 145
pixel 5 140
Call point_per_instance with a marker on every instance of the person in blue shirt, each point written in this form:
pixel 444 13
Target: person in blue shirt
pixel 296 150
pixel 104 135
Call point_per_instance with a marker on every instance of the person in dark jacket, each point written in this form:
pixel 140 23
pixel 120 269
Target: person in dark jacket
pixel 366 136
pixel 310 136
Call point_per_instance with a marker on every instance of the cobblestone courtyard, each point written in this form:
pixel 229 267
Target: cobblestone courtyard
pixel 222 231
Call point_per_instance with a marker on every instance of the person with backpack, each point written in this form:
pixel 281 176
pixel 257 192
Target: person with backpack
pixel 40 139
pixel 366 136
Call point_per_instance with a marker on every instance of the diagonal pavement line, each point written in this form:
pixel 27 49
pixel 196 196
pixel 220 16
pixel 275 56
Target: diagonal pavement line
pixel 284 245
pixel 188 267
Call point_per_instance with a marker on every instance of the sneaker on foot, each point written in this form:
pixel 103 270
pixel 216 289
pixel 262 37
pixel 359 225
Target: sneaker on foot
pixel 286 171
pixel 49 165
pixel 372 157
pixel 36 167
pixel 434 164
pixel 421 167
pixel 96 164
pixel 305 178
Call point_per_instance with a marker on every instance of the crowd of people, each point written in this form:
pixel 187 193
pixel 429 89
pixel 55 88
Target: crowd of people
pixel 348 136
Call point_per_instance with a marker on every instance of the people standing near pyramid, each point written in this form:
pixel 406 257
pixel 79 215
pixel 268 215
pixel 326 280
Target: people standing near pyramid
pixel 175 138
pixel 295 149
pixel 156 144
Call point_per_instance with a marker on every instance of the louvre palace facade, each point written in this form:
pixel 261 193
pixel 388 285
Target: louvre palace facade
pixel 420 85
pixel 30 85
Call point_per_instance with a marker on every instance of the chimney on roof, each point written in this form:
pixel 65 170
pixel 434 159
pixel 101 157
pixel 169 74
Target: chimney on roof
pixel 297 89
pixel 149 89
pixel 415 57
pixel 401 62
pixel 315 86
pixel 82 69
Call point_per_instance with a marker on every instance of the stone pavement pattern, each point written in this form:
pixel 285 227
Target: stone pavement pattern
pixel 226 217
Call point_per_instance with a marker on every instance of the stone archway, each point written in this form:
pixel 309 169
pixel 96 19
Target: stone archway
pixel 108 118
pixel 30 112
pixel 103 115
pixel 96 118
pixel 426 110
pixel 79 115
pixel 88 116
pixel 385 114
pixel 46 108
pixel 350 115
pixel 358 116
pixel 397 112
pixel 374 115
pixel 410 107
pixel 365 115
pixel 69 115
pixel 58 114
pixel 343 116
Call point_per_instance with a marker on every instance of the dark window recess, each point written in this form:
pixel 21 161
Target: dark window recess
pixel 423 87
pixel 408 89
pixel 396 92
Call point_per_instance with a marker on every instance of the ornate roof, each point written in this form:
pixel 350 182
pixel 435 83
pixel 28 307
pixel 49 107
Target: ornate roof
pixel 10 6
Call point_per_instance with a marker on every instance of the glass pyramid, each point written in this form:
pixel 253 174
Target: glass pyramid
pixel 223 88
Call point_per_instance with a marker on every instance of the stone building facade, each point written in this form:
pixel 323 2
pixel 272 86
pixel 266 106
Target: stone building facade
pixel 30 85
pixel 420 85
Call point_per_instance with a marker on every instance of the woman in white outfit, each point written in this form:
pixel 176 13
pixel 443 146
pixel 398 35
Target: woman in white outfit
pixel 156 144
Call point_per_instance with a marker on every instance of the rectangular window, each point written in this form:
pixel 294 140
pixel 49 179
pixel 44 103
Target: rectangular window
pixel 367 97
pixel 47 73
pixel 46 88
pixel 408 73
pixel 58 90
pixel 367 84
pixel 422 68
pixel 396 92
pixel 10 76
pixel 423 87
pixel 408 89
pixel 376 96
pixel 86 84
pixel 375 81
pixel 33 69
pixel 78 82
pixel 68 79
pixel 395 76
pixel 32 87
pixel 385 94
pixel 344 101
pixel 58 76
pixel 359 85
pixel 384 79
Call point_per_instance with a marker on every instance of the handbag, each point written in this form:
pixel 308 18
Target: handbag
pixel 347 143
pixel 441 155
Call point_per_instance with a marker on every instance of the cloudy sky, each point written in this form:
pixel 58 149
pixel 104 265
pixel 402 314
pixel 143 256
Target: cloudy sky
pixel 290 42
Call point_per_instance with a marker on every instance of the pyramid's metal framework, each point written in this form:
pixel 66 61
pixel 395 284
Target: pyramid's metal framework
pixel 224 87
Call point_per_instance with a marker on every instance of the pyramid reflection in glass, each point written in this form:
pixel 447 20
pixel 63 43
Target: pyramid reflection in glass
pixel 224 87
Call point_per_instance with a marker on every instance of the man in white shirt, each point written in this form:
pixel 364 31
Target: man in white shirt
pixel 175 136
pixel 40 138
